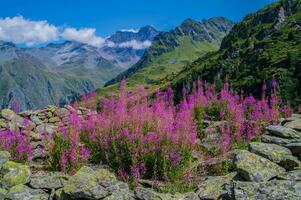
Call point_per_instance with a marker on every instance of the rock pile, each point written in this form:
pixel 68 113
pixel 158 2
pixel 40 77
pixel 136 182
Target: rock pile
pixel 40 124
pixel 270 169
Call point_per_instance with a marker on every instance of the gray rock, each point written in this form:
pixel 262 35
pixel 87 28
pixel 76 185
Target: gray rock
pixel 295 148
pixel 46 128
pixel 35 119
pixel 48 180
pixel 23 192
pixel 275 189
pixel 92 184
pixel 295 124
pixel 275 153
pixel 255 168
pixel 291 175
pixel 214 187
pixel 147 194
pixel 14 174
pixel 284 132
pixel 61 112
pixel 4 157
pixel 8 114
pixel 278 140
pixel 3 193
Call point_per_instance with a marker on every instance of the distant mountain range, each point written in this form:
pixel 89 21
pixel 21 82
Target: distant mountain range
pixel 171 51
pixel 57 73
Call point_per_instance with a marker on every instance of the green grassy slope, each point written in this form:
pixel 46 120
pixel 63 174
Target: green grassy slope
pixel 173 50
pixel 265 45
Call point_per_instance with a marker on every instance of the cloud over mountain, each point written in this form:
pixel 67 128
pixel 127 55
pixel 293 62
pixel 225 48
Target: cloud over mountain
pixel 23 31
pixel 20 30
pixel 84 35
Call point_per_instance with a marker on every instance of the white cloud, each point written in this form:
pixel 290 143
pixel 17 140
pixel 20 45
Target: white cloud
pixel 130 30
pixel 20 30
pixel 23 31
pixel 135 44
pixel 84 35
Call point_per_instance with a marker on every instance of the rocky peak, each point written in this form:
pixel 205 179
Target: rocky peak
pixel 144 33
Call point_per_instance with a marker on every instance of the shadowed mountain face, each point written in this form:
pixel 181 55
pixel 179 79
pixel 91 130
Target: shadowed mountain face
pixel 265 45
pixel 171 51
pixel 31 83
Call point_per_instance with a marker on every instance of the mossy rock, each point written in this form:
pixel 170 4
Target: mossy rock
pixel 84 184
pixel 275 189
pixel 54 119
pixel 48 180
pixel 3 193
pixel 4 157
pixel 255 168
pixel 23 192
pixel 275 153
pixel 295 124
pixel 14 174
pixel 283 132
pixel 8 114
pixel 213 186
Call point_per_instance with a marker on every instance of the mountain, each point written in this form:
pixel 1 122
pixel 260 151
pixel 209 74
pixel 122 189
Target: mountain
pixel 57 73
pixel 26 80
pixel 171 51
pixel 76 59
pixel 265 45
pixel 126 47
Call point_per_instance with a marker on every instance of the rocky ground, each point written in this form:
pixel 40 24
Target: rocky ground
pixel 269 169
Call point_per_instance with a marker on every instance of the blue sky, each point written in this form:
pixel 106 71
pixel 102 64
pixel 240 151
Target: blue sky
pixel 107 16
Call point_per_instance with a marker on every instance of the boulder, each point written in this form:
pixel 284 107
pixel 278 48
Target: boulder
pixel 35 137
pixel 255 168
pixel 23 192
pixel 4 157
pixel 35 119
pixel 3 123
pixel 291 175
pixel 93 184
pixel 283 132
pixel 143 193
pixel 84 185
pixel 45 128
pixel 54 119
pixel 295 124
pixel 278 140
pixel 275 189
pixel 14 174
pixel 214 187
pixel 61 112
pixel 48 180
pixel 147 194
pixel 295 148
pixel 275 153
pixel 3 193
pixel 8 114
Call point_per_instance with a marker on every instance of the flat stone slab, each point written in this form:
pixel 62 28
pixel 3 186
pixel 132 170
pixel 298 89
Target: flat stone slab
pixel 275 153
pixel 275 189
pixel 255 168
pixel 278 140
pixel 283 132
pixel 295 124
pixel 214 186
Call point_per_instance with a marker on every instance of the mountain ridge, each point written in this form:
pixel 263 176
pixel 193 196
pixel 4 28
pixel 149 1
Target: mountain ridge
pixel 265 45
pixel 193 34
